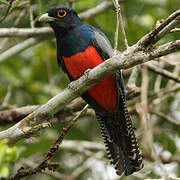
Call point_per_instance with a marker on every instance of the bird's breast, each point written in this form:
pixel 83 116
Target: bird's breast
pixel 105 92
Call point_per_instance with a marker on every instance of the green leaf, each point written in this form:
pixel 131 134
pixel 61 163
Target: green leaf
pixel 4 2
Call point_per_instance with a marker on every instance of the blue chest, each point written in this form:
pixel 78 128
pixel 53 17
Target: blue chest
pixel 77 40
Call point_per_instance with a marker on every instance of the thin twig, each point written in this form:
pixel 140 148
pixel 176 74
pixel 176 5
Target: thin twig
pixel 166 117
pixel 121 22
pixel 30 163
pixel 132 79
pixel 69 144
pixel 8 9
pixel 163 72
pixel 117 28
pixel 18 48
pixel 31 15
pixel 7 97
pixel 16 114
pixel 143 110
pixel 175 30
pixel 77 172
pixel 165 27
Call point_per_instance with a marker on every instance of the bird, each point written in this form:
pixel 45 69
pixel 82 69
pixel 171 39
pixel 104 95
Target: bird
pixel 81 47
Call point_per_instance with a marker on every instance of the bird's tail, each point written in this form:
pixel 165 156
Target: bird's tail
pixel 120 141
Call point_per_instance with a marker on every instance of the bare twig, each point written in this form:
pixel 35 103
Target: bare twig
pixel 157 84
pixel 8 9
pixel 163 72
pixel 68 144
pixel 117 28
pixel 132 79
pixel 85 165
pixel 16 114
pixel 148 135
pixel 31 15
pixel 164 160
pixel 120 22
pixel 175 30
pixel 166 117
pixel 143 110
pixel 96 10
pixel 30 163
pixel 26 32
pixel 18 48
pixel 165 27
pixel 8 95
pixel 164 92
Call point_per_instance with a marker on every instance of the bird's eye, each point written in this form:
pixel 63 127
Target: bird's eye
pixel 61 13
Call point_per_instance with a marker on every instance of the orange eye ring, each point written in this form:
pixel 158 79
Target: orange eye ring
pixel 61 13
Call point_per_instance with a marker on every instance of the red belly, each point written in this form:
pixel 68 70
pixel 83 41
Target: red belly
pixel 105 92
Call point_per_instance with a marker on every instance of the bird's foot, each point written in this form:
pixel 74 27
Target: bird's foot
pixel 71 85
pixel 86 72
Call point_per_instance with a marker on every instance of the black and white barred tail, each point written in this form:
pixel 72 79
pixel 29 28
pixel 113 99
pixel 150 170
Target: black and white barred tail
pixel 120 141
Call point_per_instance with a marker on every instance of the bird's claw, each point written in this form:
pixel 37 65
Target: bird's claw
pixel 86 72
pixel 70 85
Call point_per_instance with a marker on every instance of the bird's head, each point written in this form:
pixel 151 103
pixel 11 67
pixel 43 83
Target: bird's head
pixel 61 18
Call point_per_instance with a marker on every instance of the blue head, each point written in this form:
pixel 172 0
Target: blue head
pixel 61 18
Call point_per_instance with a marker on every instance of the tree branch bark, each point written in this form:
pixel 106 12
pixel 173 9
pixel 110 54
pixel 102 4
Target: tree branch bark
pixel 163 72
pixel 16 114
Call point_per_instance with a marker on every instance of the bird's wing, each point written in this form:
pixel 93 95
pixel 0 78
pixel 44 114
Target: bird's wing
pixel 104 49
pixel 102 44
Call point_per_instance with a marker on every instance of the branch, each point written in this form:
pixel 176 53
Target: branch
pixel 166 117
pixel 163 72
pixel 164 160
pixel 26 32
pixel 175 30
pixel 68 144
pixel 132 79
pixel 165 27
pixel 18 48
pixel 8 9
pixel 120 22
pixel 16 114
pixel 96 10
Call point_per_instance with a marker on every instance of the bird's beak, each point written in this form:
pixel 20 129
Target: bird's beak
pixel 46 18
